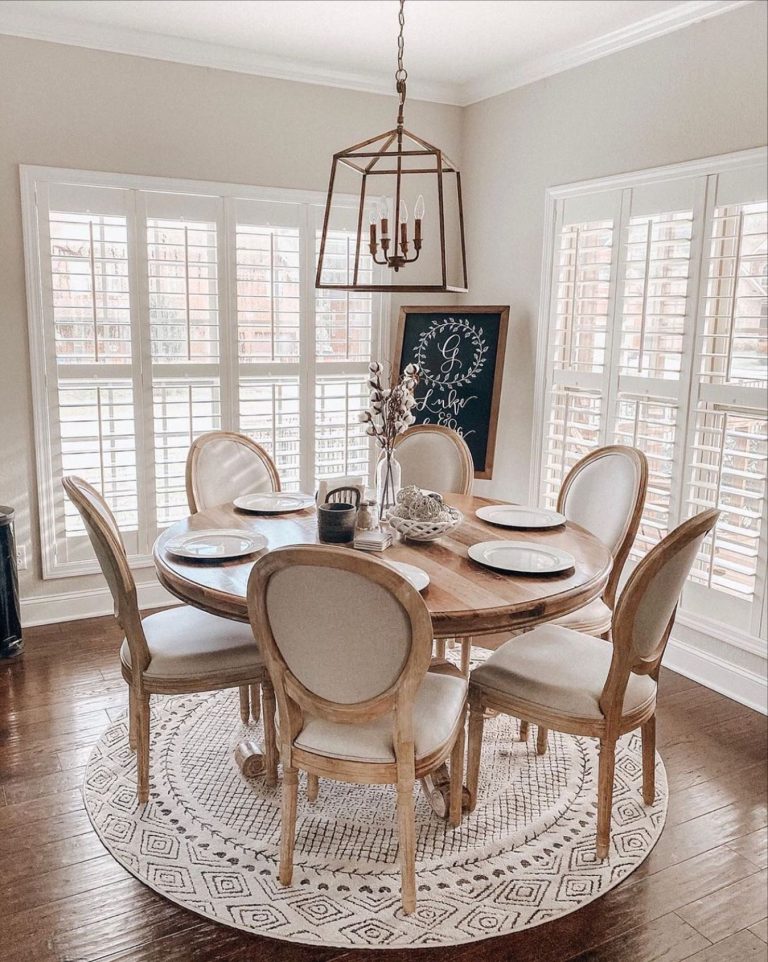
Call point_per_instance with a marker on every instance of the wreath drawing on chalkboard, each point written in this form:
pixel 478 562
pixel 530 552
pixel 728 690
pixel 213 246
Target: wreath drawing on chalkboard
pixel 451 353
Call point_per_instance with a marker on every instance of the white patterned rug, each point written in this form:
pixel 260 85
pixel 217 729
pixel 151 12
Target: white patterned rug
pixel 208 838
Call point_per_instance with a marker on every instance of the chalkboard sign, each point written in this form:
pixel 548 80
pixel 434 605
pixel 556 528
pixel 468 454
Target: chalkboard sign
pixel 460 351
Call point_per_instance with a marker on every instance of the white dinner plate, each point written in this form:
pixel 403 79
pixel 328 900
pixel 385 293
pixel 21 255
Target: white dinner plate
pixel 521 557
pixel 520 516
pixel 418 577
pixel 273 502
pixel 216 545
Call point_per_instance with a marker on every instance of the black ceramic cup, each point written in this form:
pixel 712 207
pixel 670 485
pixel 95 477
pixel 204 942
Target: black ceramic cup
pixel 336 522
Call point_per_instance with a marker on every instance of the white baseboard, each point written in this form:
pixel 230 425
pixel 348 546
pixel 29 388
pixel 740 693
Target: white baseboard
pixel 91 603
pixel 746 687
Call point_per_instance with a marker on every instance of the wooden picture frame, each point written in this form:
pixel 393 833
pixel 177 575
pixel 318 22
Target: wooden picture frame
pixel 483 469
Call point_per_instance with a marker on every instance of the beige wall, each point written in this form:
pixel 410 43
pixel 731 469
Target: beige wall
pixel 694 93
pixel 64 106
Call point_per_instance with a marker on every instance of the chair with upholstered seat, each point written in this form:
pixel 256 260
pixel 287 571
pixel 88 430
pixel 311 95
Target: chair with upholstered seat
pixel 435 458
pixel 176 651
pixel 604 492
pixel 575 683
pixel 349 667
pixel 222 466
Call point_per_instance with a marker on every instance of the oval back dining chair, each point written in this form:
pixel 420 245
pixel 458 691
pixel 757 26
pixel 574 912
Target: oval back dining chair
pixel 436 458
pixel 175 651
pixel 605 492
pixel 349 667
pixel 575 683
pixel 341 489
pixel 222 466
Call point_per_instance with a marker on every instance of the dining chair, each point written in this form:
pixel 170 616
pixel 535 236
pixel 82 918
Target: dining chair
pixel 176 651
pixel 222 466
pixel 355 700
pixel 575 683
pixel 436 458
pixel 604 492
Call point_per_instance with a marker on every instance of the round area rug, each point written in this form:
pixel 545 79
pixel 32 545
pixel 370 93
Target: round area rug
pixel 208 838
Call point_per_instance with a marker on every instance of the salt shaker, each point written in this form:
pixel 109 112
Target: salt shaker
pixel 368 516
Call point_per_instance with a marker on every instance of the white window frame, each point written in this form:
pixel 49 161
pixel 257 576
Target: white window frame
pixel 36 178
pixel 703 171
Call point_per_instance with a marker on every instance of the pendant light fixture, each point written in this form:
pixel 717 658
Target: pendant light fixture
pixel 375 187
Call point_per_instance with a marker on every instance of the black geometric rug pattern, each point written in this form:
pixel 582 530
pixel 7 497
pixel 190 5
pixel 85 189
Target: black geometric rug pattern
pixel 208 837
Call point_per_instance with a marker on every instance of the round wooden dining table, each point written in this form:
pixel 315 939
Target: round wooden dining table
pixel 465 599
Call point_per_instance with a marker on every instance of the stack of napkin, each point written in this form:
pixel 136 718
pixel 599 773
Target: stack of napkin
pixel 373 540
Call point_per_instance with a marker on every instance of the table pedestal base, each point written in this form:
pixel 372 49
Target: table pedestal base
pixel 249 758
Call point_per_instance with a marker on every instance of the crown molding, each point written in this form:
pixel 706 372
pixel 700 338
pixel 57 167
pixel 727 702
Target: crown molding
pixel 20 21
pixel 658 25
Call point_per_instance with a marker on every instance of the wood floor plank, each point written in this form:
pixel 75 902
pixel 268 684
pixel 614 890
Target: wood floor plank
pixel 25 814
pixel 19 790
pixel 729 909
pixel 753 846
pixel 746 788
pixel 43 830
pixel 668 939
pixel 742 947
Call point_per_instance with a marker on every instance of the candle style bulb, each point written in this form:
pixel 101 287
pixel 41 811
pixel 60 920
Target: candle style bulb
pixel 403 212
pixel 419 209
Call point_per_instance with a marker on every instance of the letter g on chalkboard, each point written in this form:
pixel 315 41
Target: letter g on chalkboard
pixel 460 351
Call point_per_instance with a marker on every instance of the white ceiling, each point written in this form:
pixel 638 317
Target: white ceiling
pixel 456 51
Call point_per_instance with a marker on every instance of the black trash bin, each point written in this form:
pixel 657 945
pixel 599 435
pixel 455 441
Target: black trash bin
pixel 10 610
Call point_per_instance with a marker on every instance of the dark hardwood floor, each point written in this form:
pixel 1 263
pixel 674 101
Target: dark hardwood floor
pixel 701 894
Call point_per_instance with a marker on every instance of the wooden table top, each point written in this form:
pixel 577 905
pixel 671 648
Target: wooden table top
pixel 463 597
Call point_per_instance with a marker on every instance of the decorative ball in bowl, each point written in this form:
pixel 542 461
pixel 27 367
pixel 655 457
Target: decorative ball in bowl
pixel 423 515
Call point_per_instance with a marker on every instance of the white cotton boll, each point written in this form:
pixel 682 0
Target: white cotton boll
pixel 370 430
pixel 410 419
pixel 374 367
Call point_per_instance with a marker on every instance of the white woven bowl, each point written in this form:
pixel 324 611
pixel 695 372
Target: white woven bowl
pixel 425 530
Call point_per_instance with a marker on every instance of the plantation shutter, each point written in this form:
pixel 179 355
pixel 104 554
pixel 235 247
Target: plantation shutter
pixel 159 314
pixel 664 347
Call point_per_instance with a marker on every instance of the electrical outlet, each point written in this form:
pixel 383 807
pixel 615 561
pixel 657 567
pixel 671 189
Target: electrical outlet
pixel 21 557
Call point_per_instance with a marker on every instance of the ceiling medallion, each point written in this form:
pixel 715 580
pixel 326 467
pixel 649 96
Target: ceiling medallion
pixel 406 168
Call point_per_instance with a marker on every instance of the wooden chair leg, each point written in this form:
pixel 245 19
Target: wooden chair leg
pixel 523 731
pixel 648 734
pixel 313 788
pixel 270 738
pixel 142 746
pixel 475 744
pixel 541 740
pixel 245 705
pixel 457 778
pixel 406 823
pixel 132 713
pixel 605 796
pixel 440 648
pixel 466 654
pixel 288 823
pixel 255 699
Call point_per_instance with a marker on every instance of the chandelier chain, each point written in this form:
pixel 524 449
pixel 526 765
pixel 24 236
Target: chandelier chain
pixel 401 74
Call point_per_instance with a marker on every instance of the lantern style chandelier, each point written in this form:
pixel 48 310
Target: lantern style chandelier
pixel 386 175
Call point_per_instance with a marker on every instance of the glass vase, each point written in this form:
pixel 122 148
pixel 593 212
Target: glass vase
pixel 388 475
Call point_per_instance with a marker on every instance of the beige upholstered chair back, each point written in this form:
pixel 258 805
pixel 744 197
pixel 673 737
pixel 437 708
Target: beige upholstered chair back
pixel 107 543
pixel 645 612
pixel 604 492
pixel 343 635
pixel 222 466
pixel 435 458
